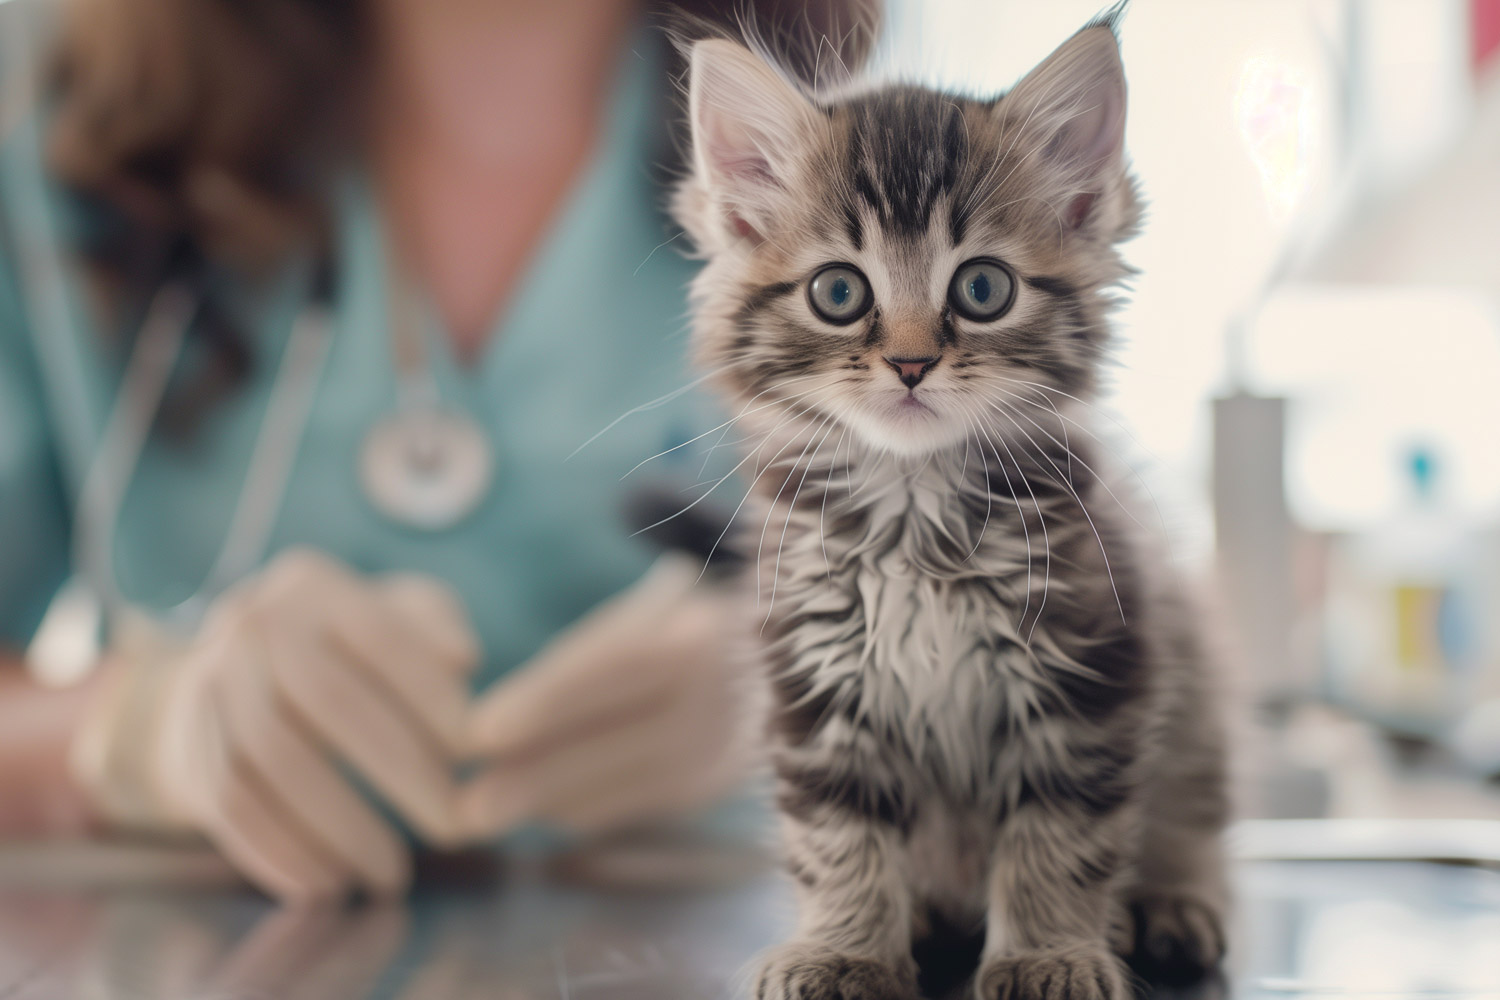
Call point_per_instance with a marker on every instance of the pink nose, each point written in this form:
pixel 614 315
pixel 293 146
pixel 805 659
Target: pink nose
pixel 911 370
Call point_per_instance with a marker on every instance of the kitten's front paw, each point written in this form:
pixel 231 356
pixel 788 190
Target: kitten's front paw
pixel 1179 938
pixel 1064 974
pixel 801 972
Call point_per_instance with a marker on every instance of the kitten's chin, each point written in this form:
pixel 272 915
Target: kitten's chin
pixel 910 430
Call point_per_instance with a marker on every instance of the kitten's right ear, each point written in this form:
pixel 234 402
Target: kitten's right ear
pixel 749 127
pixel 1074 103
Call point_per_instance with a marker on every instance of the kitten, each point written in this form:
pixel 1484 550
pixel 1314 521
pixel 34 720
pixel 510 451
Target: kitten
pixel 992 708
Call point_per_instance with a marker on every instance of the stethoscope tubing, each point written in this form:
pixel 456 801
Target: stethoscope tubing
pixel 157 347
pixel 101 457
pixel 102 453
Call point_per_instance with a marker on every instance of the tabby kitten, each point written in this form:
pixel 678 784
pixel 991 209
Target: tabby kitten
pixel 991 705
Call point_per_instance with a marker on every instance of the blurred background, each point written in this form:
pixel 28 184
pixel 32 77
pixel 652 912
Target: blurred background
pixel 1309 385
pixel 1310 358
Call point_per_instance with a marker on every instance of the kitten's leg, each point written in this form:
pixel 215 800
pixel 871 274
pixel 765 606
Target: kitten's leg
pixel 1179 895
pixel 853 939
pixel 1053 899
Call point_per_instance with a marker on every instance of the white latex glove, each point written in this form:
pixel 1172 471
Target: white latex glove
pixel 629 715
pixel 239 734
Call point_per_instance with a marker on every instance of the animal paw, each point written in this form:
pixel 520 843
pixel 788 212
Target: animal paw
pixel 1064 974
pixel 797 972
pixel 1179 938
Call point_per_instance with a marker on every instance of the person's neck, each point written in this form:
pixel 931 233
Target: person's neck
pixel 474 75
pixel 484 110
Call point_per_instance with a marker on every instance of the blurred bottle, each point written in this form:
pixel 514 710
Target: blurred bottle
pixel 1404 622
pixel 1476 738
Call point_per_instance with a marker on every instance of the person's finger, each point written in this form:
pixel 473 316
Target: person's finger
pixel 511 792
pixel 419 678
pixel 238 817
pixel 692 755
pixel 660 789
pixel 338 703
pixel 558 697
pixel 579 681
pixel 377 640
pixel 303 780
pixel 437 612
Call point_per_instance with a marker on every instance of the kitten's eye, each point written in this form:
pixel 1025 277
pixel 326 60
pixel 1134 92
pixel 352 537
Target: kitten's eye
pixel 839 294
pixel 982 289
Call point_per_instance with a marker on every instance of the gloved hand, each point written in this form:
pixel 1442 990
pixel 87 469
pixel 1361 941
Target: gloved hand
pixel 237 733
pixel 632 713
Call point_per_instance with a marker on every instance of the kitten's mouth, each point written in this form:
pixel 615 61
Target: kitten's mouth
pixel 913 423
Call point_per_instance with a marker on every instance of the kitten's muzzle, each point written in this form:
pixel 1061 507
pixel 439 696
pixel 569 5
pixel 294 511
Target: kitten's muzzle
pixel 911 370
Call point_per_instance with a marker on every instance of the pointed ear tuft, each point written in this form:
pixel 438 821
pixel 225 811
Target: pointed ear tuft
pixel 1075 102
pixel 749 125
pixel 1110 18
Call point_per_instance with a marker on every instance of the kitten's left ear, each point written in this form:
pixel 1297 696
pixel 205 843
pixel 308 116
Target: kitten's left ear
pixel 1074 102
pixel 750 127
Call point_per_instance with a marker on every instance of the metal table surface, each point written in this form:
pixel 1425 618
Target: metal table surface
pixel 1304 929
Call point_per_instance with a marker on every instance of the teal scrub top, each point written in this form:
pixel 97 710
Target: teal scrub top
pixel 596 328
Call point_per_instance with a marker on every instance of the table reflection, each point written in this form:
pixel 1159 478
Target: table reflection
pixel 1304 928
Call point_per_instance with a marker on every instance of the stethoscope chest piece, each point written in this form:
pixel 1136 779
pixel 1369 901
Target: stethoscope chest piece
pixel 426 468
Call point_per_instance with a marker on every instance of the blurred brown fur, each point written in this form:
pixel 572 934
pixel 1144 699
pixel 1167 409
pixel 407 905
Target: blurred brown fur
pixel 216 124
pixel 209 121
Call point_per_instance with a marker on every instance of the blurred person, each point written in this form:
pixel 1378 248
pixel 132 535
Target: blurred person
pixel 302 307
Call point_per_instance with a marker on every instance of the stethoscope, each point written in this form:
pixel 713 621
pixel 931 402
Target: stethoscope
pixel 425 465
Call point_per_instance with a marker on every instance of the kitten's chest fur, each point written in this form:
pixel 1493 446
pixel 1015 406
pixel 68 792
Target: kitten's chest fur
pixel 936 648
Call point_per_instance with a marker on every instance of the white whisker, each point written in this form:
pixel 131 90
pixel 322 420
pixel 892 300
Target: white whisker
pixel 823 511
pixel 1021 514
pixel 751 488
pixel 1046 542
pixel 724 427
pixel 653 252
pixel 719 482
pixel 1097 477
pixel 777 498
pixel 1063 482
pixel 782 384
pixel 1135 474
pixel 791 508
pixel 653 404
pixel 989 493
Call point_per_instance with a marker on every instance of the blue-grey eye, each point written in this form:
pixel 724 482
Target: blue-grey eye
pixel 839 294
pixel 982 289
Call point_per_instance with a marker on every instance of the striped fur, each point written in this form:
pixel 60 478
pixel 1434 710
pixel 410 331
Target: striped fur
pixel 992 708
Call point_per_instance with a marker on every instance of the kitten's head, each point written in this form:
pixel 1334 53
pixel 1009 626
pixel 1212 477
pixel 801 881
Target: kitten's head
pixel 903 262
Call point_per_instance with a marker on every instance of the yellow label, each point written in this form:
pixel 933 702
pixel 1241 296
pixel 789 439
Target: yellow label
pixel 1417 608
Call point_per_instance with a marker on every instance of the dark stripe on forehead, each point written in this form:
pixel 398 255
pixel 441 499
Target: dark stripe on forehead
pixel 864 186
pixel 854 227
pixel 907 148
pixel 955 145
pixel 958 218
